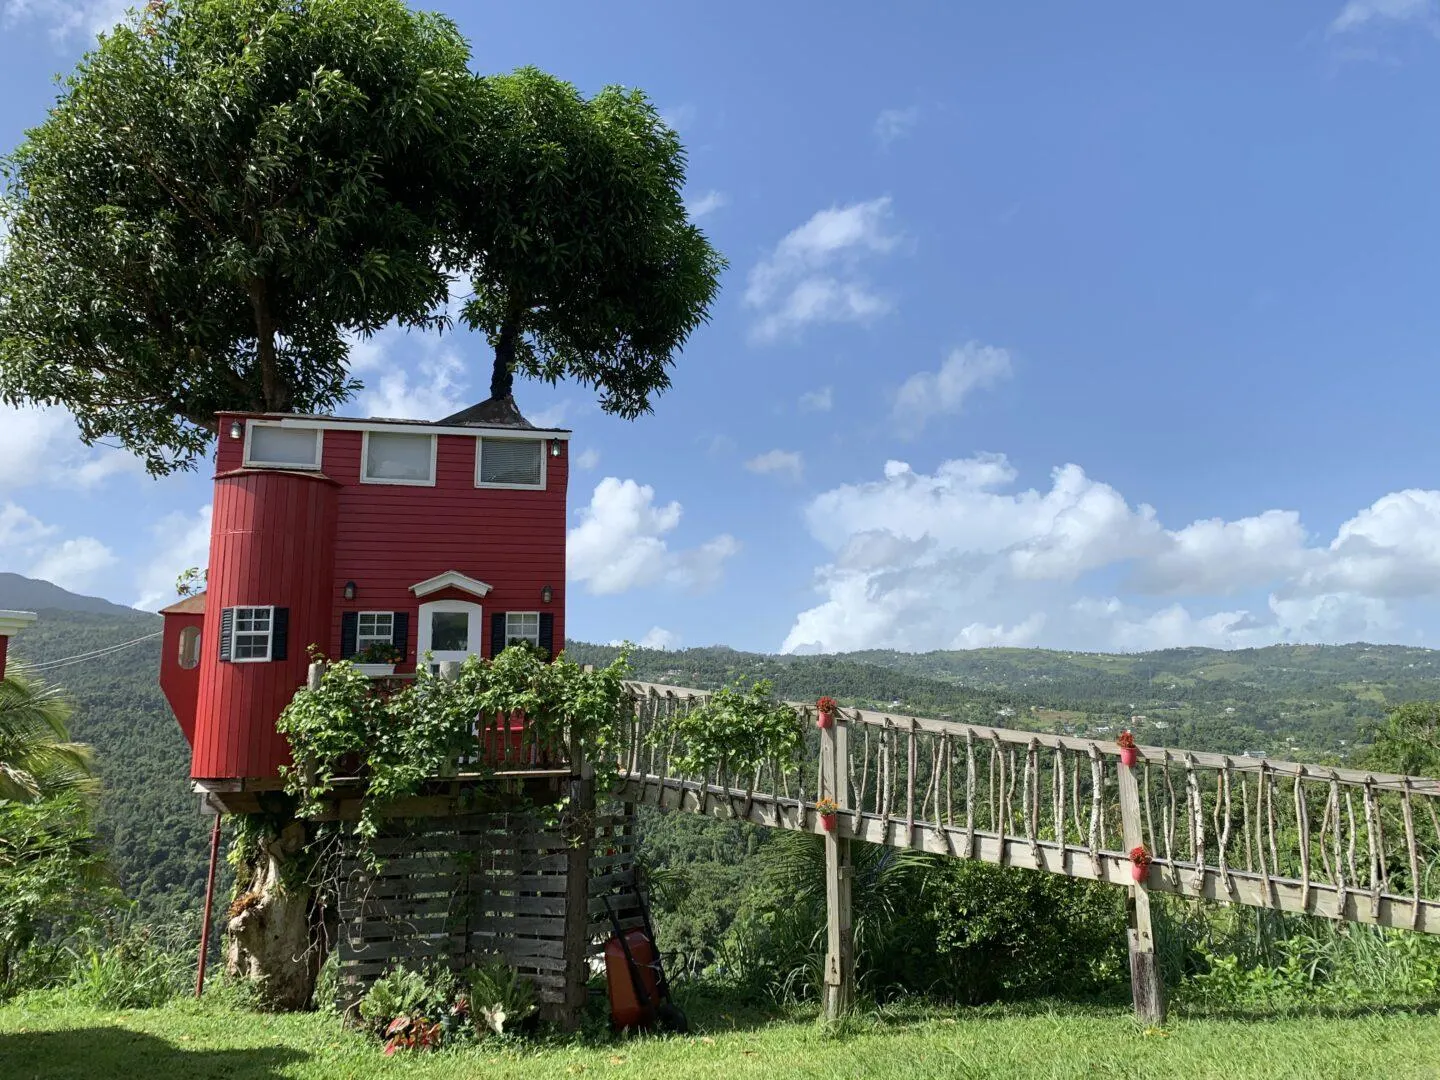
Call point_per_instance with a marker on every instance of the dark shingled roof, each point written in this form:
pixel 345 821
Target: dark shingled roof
pixel 492 412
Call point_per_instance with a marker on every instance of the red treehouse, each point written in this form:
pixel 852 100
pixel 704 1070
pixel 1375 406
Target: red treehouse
pixel 359 537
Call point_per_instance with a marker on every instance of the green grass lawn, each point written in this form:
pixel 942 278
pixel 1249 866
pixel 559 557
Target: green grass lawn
pixel 196 1042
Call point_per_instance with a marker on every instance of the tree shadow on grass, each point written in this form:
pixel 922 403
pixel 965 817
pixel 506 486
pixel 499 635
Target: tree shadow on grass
pixel 1260 1014
pixel 118 1054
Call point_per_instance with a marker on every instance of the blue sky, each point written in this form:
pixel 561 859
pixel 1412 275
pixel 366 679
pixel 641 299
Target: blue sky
pixel 1101 328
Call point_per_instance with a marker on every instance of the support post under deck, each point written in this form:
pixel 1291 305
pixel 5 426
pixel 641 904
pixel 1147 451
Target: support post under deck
pixel 839 991
pixel 1146 986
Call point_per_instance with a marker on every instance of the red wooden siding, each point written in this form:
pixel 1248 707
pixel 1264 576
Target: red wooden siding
pixel 181 686
pixel 294 539
pixel 394 536
pixel 271 540
pixel 4 648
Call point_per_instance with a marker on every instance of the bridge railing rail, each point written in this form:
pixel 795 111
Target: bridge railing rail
pixel 1326 840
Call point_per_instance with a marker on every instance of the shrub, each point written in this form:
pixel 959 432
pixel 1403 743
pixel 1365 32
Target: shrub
pixel 427 992
pixel 501 1000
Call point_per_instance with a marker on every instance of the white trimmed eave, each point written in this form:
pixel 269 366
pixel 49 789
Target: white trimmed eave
pixel 451 579
pixel 406 427
pixel 12 622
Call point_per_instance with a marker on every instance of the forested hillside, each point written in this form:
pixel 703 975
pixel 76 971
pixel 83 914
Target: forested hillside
pixel 1303 701
pixel 148 816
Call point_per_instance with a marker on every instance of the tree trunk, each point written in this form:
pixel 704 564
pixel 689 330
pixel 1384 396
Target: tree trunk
pixel 273 938
pixel 502 379
pixel 274 389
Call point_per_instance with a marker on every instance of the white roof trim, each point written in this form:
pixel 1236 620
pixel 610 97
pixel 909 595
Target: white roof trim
pixel 451 579
pixel 411 427
pixel 12 622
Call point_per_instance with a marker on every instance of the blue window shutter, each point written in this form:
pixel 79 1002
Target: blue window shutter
pixel 279 633
pixel 497 634
pixel 349 630
pixel 401 637
pixel 227 630
pixel 547 634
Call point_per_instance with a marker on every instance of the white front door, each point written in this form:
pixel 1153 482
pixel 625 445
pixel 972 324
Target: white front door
pixel 449 630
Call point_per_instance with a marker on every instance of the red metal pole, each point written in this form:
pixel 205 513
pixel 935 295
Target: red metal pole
pixel 209 898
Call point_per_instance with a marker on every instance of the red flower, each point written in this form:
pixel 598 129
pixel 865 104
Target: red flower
pixel 1140 855
pixel 826 704
pixel 1126 740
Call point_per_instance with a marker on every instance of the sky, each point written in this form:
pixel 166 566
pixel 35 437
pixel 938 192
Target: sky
pixel 1106 328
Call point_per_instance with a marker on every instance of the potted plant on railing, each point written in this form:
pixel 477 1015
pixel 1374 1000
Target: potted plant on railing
pixel 377 659
pixel 829 813
pixel 1129 752
pixel 825 713
pixel 1139 862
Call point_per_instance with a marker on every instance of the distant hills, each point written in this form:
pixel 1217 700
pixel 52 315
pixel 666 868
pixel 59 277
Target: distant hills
pixel 1312 703
pixel 31 594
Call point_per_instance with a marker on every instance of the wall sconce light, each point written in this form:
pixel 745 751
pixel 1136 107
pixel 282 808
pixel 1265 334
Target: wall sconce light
pixel 349 590
pixel 546 593
pixel 554 447
pixel 236 429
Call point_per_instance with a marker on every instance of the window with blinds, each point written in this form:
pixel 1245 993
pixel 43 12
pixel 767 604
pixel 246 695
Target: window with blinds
pixel 513 463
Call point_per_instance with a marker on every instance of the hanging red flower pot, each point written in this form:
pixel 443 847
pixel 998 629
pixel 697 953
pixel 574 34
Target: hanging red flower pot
pixel 825 713
pixel 1129 752
pixel 1139 863
pixel 829 814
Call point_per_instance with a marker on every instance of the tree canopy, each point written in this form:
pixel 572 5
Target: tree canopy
pixel 584 262
pixel 225 190
pixel 228 191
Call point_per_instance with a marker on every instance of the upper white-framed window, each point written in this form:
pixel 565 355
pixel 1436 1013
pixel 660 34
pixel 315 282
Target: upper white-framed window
pixel 273 445
pixel 252 634
pixel 389 457
pixel 502 462
pixel 522 626
pixel 374 628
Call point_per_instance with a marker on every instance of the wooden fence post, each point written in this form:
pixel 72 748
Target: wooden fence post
pixel 840 945
pixel 1146 986
pixel 580 835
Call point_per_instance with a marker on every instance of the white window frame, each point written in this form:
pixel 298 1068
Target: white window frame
pixel 363 640
pixel 544 466
pixel 475 632
pixel 251 463
pixel 235 633
pixel 365 459
pixel 509 636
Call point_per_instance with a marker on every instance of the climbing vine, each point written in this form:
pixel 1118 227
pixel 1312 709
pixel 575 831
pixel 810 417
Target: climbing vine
pixel 398 739
pixel 735 729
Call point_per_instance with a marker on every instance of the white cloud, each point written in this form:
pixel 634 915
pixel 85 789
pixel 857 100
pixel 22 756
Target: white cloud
pixel 620 544
pixel 74 564
pixel 679 117
pixel 42 446
pixel 822 400
pixel 657 637
pixel 706 203
pixel 587 458
pixel 432 387
pixel 67 19
pixel 925 394
pixel 955 559
pixel 20 529
pixel 783 462
pixel 894 124
pixel 181 541
pixel 552 416
pixel 1358 13
pixel 813 275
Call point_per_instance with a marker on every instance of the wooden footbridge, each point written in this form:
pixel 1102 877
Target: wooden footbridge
pixel 1327 841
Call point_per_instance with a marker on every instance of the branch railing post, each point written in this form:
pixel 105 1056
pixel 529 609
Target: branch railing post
pixel 1146 987
pixel 839 942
